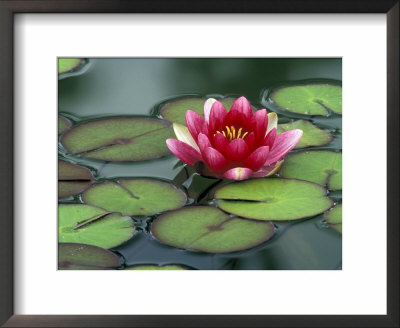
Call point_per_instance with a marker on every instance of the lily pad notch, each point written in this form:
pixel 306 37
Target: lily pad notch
pixel 309 99
pixel 319 166
pixel 72 179
pixel 85 224
pixel 334 218
pixel 207 229
pixel 273 199
pixel 135 196
pixel 120 139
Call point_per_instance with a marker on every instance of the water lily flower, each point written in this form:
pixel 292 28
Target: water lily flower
pixel 235 145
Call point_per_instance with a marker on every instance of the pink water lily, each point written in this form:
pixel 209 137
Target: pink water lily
pixel 236 145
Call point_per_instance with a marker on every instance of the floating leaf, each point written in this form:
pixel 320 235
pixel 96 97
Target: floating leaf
pixel 119 139
pixel 63 124
pixel 78 223
pixel 72 179
pixel 310 99
pixel 175 111
pixel 334 218
pixel 207 229
pixel 273 199
pixel 319 166
pixel 135 196
pixel 157 267
pixel 312 136
pixel 80 256
pixel 68 64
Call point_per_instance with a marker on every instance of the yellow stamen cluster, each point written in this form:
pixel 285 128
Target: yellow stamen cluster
pixel 231 134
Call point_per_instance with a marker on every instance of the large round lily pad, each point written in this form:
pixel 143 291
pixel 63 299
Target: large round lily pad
pixel 157 267
pixel 68 64
pixel 135 196
pixel 63 124
pixel 72 179
pixel 319 166
pixel 273 199
pixel 175 110
pixel 207 229
pixel 78 223
pixel 312 136
pixel 119 139
pixel 73 256
pixel 334 218
pixel 310 99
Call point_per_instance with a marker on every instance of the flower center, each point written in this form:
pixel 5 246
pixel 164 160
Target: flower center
pixel 231 133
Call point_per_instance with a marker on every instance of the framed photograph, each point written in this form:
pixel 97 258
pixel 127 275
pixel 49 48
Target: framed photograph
pixel 199 176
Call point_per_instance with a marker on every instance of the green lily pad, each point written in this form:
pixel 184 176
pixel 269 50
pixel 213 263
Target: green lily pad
pixel 175 111
pixel 68 64
pixel 311 99
pixel 157 267
pixel 63 124
pixel 273 199
pixel 135 196
pixel 319 166
pixel 312 136
pixel 72 179
pixel 334 218
pixel 119 139
pixel 84 224
pixel 77 256
pixel 207 229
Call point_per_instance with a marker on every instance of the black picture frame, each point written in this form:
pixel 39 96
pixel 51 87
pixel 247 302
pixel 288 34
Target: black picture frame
pixel 10 7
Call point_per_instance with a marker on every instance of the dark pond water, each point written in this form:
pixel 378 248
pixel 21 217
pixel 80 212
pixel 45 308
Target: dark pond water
pixel 112 87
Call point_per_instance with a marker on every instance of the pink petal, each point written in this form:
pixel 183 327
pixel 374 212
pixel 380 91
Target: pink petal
pixel 283 144
pixel 203 142
pixel 243 106
pixel 215 161
pixel 237 150
pixel 270 138
pixel 260 124
pixel 238 173
pixel 217 116
pixel 220 142
pixel 207 108
pixel 235 118
pixel 183 151
pixel 250 140
pixel 195 124
pixel 257 158
pixel 268 170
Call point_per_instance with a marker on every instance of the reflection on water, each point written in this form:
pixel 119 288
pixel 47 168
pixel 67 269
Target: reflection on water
pixel 113 87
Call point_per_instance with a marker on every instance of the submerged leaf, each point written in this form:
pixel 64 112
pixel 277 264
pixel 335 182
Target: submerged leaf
pixel 273 199
pixel 207 229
